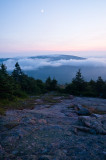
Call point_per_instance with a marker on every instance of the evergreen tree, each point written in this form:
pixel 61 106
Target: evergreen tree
pixel 6 84
pixel 48 84
pixel 54 84
pixel 78 83
pixel 104 90
pixel 40 85
pixel 17 73
pixel 51 85
pixel 78 78
pixel 100 86
pixel 3 69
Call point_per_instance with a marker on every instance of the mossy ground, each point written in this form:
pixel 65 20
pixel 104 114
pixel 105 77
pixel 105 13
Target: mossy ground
pixel 28 103
pixel 16 104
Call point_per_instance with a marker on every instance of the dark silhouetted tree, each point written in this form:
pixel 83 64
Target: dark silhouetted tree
pixel 78 85
pixel 48 84
pixel 17 73
pixel 100 84
pixel 54 84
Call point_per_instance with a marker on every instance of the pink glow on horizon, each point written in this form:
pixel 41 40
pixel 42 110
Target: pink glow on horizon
pixel 26 48
pixel 50 50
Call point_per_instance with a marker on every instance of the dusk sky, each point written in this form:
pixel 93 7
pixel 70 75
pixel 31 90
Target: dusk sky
pixel 28 27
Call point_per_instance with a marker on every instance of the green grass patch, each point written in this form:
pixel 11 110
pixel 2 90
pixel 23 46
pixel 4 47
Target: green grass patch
pixel 17 103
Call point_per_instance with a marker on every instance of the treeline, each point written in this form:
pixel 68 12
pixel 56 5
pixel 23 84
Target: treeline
pixel 18 84
pixel 80 87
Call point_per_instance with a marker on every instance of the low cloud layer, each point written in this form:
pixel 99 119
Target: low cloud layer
pixel 35 63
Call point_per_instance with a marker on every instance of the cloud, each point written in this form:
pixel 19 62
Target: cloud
pixel 87 62
pixel 35 63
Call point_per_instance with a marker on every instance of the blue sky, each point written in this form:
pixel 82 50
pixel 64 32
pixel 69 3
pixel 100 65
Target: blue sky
pixel 36 26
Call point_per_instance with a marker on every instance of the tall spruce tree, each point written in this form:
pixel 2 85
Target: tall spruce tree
pixel 48 83
pixel 6 83
pixel 3 69
pixel 100 86
pixel 78 84
pixel 17 72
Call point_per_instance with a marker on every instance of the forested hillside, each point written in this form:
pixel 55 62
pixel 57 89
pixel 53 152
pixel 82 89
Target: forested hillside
pixel 18 84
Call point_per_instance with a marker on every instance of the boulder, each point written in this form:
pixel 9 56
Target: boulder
pixel 95 124
pixel 82 111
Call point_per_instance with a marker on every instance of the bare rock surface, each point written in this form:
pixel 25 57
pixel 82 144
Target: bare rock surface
pixel 55 131
pixel 96 125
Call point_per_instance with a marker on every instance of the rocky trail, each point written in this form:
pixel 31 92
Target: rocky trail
pixel 72 128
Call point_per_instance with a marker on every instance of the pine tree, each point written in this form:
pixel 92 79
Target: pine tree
pixel 6 83
pixel 17 73
pixel 54 84
pixel 78 78
pixel 78 83
pixel 48 83
pixel 3 69
pixel 100 86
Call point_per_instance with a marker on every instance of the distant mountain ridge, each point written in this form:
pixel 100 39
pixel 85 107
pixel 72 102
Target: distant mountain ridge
pixel 51 57
pixel 3 59
pixel 58 57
